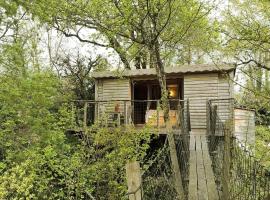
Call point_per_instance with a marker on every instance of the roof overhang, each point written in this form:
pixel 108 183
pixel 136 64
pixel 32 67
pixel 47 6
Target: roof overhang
pixel 175 70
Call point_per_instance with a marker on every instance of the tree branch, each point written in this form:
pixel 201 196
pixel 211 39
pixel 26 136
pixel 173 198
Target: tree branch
pixel 258 64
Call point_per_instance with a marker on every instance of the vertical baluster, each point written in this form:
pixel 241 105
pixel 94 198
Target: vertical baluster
pixel 188 116
pixel 125 113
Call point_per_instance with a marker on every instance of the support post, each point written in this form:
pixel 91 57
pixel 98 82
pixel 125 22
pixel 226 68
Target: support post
pixel 96 104
pixel 158 107
pixel 208 117
pixel 181 117
pixel 175 164
pixel 134 180
pixel 125 113
pixel 213 119
pixel 188 116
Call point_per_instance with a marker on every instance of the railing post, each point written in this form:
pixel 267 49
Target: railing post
pixel 134 180
pixel 208 118
pixel 188 116
pixel 96 105
pixel 213 119
pixel 125 113
pixel 181 117
pixel 158 107
pixel 132 111
pixel 85 116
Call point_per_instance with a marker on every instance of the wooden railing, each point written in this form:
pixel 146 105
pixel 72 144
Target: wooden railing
pixel 130 112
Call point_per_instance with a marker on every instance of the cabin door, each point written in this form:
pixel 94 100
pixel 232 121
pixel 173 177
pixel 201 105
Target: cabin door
pixel 140 103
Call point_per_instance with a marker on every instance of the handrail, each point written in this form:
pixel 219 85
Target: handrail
pixel 239 174
pixel 127 100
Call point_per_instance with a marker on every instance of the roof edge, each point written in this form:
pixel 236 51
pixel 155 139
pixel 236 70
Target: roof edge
pixel 179 69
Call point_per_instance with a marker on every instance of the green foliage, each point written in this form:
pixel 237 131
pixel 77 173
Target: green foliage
pixel 262 147
pixel 109 151
pixel 37 160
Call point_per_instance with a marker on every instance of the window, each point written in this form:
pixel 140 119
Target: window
pixel 173 91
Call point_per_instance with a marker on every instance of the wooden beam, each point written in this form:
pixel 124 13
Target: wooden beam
pixel 202 189
pixel 125 113
pixel 188 116
pixel 175 164
pixel 134 180
pixel 213 119
pixel 193 181
pixel 209 174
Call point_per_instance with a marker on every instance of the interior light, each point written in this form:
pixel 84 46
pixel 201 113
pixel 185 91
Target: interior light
pixel 172 92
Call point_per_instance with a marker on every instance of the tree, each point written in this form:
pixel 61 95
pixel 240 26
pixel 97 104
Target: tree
pixel 37 159
pixel 147 31
pixel 133 29
pixel 247 42
pixel 76 72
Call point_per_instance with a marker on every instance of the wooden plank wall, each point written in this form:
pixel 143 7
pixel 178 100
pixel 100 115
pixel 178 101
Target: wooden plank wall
pixel 198 88
pixel 225 91
pixel 113 89
pixel 110 90
pixel 201 87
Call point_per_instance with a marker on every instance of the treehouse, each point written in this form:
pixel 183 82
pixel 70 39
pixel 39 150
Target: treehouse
pixel 133 96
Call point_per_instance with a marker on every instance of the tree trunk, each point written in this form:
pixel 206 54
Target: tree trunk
pixel 166 107
pixel 162 82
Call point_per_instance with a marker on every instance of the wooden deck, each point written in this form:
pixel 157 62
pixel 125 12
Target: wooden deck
pixel 201 177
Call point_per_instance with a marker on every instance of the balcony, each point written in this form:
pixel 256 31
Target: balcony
pixel 137 113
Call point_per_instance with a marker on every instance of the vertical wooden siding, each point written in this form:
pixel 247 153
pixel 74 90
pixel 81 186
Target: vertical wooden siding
pixel 113 89
pixel 225 91
pixel 110 90
pixel 201 87
pixel 198 88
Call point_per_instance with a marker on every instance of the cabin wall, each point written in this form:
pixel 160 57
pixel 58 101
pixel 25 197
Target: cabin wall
pixel 199 88
pixel 113 89
pixel 112 92
pixel 225 93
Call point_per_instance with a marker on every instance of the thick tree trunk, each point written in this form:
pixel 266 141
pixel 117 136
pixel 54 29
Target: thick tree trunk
pixel 162 81
pixel 165 107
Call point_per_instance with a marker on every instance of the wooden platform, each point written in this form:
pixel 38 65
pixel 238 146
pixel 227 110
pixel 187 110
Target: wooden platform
pixel 201 177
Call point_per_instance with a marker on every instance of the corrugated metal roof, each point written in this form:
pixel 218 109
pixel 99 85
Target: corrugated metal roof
pixel 179 69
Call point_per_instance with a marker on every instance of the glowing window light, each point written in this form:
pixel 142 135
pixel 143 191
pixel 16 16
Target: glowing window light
pixel 172 91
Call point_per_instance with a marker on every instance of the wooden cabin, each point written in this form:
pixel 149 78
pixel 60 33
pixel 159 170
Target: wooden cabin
pixel 135 92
